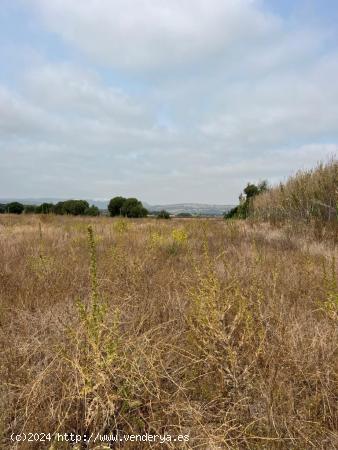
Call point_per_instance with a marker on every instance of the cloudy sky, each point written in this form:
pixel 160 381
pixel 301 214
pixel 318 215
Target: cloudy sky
pixel 167 100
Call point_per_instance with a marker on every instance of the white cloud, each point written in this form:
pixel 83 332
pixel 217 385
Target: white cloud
pixel 147 34
pixel 62 86
pixel 279 108
pixel 233 95
pixel 61 146
pixel 16 115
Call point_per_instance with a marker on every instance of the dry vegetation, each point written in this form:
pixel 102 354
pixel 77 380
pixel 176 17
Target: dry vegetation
pixel 309 198
pixel 222 330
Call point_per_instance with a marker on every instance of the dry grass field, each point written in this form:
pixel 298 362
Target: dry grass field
pixel 225 331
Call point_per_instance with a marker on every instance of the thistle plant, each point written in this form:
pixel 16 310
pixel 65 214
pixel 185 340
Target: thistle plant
pixel 93 315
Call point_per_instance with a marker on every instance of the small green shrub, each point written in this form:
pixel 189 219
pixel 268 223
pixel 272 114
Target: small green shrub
pixel 163 215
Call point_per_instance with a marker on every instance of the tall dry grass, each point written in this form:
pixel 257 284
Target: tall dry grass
pixel 215 329
pixel 309 197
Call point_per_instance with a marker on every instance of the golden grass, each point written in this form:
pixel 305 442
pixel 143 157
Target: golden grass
pixel 309 198
pixel 217 329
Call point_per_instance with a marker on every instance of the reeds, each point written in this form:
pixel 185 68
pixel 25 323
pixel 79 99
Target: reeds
pixel 309 197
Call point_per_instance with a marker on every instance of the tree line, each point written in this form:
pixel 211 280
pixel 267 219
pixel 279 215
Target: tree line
pixel 118 206
pixel 70 207
pixel 126 207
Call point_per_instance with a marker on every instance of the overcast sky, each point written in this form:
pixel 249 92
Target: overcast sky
pixel 166 100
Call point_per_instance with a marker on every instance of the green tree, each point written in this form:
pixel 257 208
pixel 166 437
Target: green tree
pixel 75 207
pixel 262 186
pixel 163 214
pixel 59 209
pixel 133 208
pixel 71 207
pixel 245 199
pixel 232 213
pixel 251 190
pixel 15 208
pixel 92 211
pixel 30 209
pixel 115 206
pixel 45 208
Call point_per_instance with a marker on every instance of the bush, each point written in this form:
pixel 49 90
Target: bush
pixel 92 211
pixel 163 214
pixel 58 209
pixel 15 208
pixel 75 207
pixel 232 213
pixel 179 235
pixel 245 200
pixel 45 208
pixel 30 209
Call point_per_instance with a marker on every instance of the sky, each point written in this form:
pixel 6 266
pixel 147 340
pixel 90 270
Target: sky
pixel 169 101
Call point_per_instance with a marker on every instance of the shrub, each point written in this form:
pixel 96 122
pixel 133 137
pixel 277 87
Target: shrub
pixel 75 207
pixel 92 211
pixel 30 209
pixel 245 200
pixel 156 239
pixel 58 208
pixel 163 215
pixel 180 235
pixel 232 213
pixel 15 208
pixel 121 226
pixel 45 208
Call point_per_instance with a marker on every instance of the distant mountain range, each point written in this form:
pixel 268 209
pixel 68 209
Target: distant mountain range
pixel 195 209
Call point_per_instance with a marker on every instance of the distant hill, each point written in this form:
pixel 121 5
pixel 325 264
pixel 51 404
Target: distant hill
pixel 195 209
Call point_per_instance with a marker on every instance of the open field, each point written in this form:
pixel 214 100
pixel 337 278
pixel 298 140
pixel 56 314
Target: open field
pixel 224 331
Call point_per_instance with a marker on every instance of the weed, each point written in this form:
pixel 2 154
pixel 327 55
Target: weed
pixel 224 341
pixel 121 226
pixel 180 236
